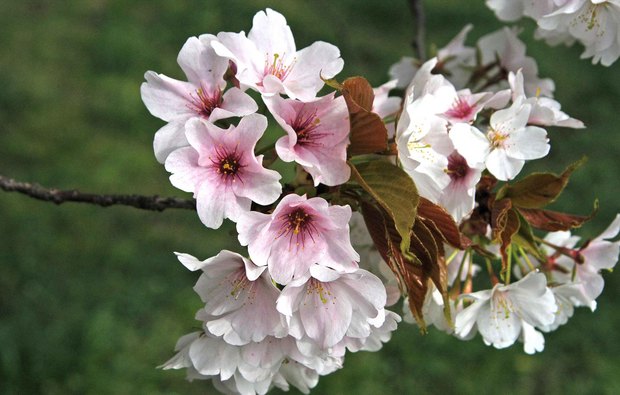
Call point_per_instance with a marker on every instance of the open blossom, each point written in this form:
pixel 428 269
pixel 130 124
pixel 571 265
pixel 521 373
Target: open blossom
pixel 249 369
pixel 422 135
pixel 506 312
pixel 220 169
pixel 511 52
pixel 317 136
pixel 268 61
pixel 454 59
pixel 458 197
pixel 593 22
pixel 595 255
pixel 545 111
pixel 236 291
pixel 202 96
pixel 299 233
pixel 326 305
pixel 507 144
pixel 512 10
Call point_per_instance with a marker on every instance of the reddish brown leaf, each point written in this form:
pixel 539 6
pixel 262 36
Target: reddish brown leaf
pixel 505 223
pixel 411 275
pixel 425 247
pixel 368 132
pixel 358 91
pixel 553 221
pixel 437 219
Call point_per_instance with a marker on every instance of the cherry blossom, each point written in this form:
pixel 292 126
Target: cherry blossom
pixel 454 59
pixel 326 305
pixel 504 312
pixel 317 136
pixel 458 197
pixel 202 96
pixel 236 291
pixel 512 10
pixel 593 22
pixel 545 111
pixel 506 46
pixel 507 144
pixel 299 233
pixel 220 169
pixel 584 267
pixel 268 61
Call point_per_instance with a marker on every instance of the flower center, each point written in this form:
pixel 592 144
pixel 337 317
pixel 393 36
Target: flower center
pixel 297 225
pixel 227 163
pixel 277 67
pixel 203 103
pixel 497 138
pixel 457 167
pixel 305 126
pixel 502 306
pixel 319 289
pixel 461 109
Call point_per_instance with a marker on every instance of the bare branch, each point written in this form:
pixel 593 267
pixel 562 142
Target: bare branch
pixel 57 196
pixel 419 32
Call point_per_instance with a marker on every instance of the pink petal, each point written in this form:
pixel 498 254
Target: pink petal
pixel 167 98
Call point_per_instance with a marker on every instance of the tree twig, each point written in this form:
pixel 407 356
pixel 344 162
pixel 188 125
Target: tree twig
pixel 58 196
pixel 419 28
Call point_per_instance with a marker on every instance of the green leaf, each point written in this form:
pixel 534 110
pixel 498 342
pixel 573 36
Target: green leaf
pixel 525 238
pixel 538 189
pixel 394 191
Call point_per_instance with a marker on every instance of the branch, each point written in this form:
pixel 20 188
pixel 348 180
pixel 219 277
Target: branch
pixel 57 196
pixel 419 32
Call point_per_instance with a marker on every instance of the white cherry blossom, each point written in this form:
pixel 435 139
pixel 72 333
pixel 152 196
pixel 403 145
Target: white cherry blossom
pixel 506 312
pixel 508 143
pixel 326 306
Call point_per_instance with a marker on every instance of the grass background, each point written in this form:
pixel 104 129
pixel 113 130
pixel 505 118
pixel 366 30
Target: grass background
pixel 92 299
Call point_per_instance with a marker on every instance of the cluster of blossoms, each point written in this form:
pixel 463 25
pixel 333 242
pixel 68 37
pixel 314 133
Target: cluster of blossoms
pixel 412 181
pixel 594 23
pixel 289 313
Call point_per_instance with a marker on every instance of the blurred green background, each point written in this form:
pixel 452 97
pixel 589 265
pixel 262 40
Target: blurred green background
pixel 92 299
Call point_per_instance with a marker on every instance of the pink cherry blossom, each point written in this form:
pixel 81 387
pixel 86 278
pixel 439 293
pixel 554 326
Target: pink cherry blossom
pixel 317 136
pixel 202 96
pixel 220 169
pixel 326 305
pixel 458 197
pixel 298 233
pixel 268 61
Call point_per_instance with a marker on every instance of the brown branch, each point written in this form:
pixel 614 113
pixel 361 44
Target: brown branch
pixel 58 196
pixel 419 26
